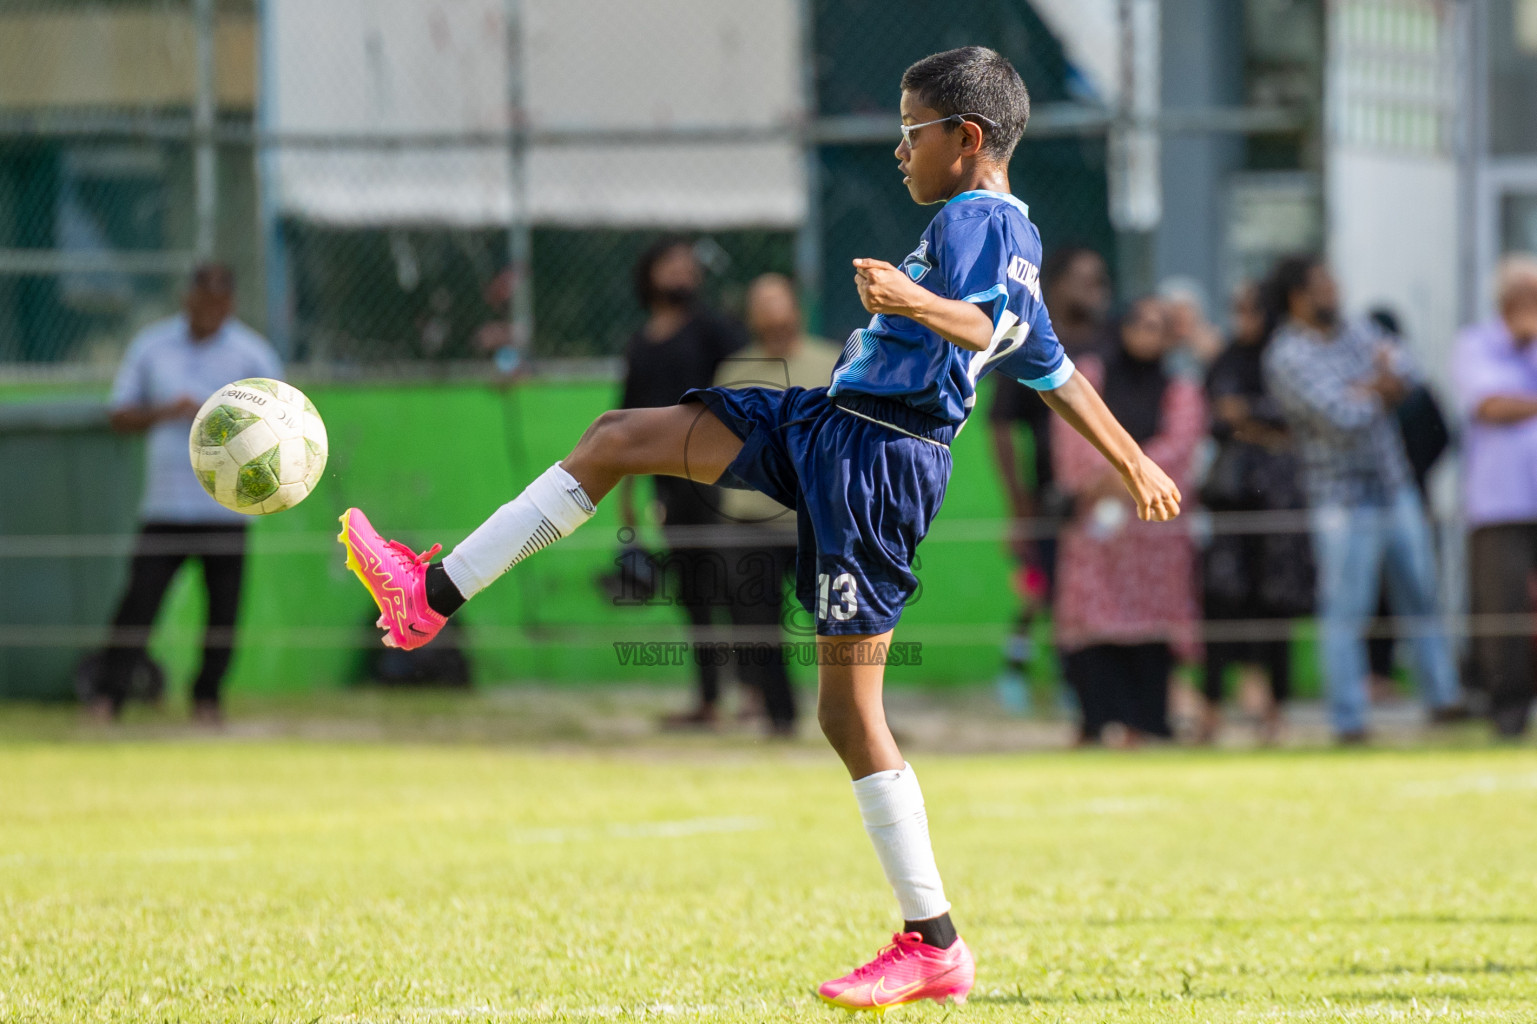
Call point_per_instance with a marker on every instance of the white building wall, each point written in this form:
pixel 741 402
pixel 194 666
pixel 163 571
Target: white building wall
pixel 1393 231
pixel 439 69
pixel 1390 177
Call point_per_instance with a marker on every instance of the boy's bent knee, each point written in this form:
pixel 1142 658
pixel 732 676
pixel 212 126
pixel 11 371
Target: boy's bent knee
pixel 612 438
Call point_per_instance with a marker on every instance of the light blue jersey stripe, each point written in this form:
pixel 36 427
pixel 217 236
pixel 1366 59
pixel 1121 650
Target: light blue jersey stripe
pixel 982 193
pixel 1055 379
pixel 860 361
pixel 997 291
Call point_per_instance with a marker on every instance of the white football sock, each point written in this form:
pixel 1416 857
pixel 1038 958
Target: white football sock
pixel 547 510
pixel 891 805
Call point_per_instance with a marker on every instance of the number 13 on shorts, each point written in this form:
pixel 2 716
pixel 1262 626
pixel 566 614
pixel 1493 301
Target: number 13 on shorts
pixel 837 596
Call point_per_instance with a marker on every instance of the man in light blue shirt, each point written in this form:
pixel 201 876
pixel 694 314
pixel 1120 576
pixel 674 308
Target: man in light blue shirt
pixel 170 369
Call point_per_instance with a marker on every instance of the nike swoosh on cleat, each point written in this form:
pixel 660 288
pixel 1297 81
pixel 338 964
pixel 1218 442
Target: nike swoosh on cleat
pixel 881 989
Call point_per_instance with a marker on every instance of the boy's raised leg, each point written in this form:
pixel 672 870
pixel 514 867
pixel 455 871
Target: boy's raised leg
pixel 415 596
pixel 926 960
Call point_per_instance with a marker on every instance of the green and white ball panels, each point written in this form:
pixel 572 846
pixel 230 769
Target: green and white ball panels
pixel 258 446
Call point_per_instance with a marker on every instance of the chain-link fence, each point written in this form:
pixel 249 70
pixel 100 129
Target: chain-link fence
pixel 414 180
pixel 415 183
pixel 102 109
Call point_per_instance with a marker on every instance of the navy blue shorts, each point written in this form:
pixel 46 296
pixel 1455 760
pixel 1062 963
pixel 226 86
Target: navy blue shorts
pixel 865 475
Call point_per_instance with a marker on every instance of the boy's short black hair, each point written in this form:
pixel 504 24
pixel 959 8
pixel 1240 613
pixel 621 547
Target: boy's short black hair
pixel 974 80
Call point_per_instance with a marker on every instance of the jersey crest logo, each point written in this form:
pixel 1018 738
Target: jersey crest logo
pixel 917 263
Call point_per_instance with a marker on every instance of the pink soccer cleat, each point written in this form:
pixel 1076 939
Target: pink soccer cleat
pixel 905 972
pixel 396 578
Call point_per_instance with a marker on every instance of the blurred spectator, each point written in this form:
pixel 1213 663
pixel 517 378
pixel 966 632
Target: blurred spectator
pixel 1251 576
pixel 1426 439
pixel 1336 384
pixel 1076 285
pixel 680 346
pixel 1497 389
pixel 168 372
pixel 496 337
pixel 1193 341
pixel 1126 588
pixel 780 355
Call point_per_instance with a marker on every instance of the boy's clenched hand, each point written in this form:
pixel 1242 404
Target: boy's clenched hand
pixel 884 288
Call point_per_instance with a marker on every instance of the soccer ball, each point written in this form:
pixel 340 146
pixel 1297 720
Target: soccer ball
pixel 258 446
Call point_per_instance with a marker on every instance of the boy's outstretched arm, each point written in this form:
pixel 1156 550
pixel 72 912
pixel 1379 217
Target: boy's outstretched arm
pixel 1079 404
pixel 884 288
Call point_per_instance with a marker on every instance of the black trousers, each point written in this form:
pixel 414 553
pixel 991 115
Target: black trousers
pixel 1126 683
pixel 161 549
pixel 757 591
pixel 1502 560
pixel 1233 570
pixel 694 577
pixel 1272 655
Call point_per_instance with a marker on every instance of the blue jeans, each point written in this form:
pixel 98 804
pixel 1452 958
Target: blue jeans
pixel 1352 544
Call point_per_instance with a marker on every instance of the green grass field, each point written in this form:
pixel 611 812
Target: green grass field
pixel 323 880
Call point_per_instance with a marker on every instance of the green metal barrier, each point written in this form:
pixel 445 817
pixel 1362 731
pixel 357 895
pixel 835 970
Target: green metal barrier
pixel 65 473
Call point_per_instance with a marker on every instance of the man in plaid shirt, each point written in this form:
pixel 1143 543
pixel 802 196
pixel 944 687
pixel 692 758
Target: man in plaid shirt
pixel 1337 385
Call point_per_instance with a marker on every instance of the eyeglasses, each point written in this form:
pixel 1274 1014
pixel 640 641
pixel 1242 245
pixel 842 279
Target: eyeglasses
pixel 909 129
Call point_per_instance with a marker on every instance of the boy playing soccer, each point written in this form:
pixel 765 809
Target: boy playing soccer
pixel 864 462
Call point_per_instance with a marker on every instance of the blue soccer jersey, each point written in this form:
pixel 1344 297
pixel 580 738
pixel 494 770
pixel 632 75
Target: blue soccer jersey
pixel 980 248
